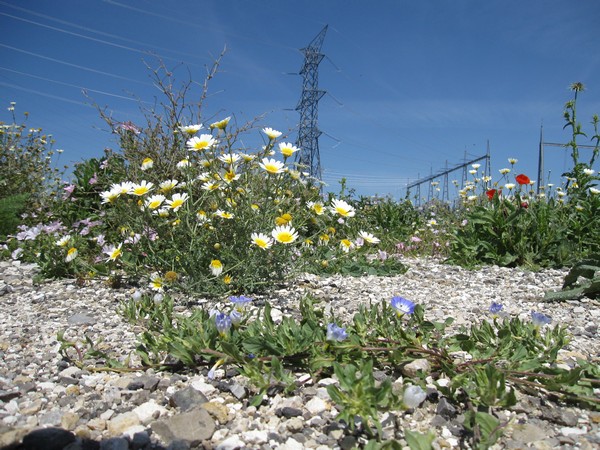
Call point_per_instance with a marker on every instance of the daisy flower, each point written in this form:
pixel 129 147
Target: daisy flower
pixel 287 149
pixel 272 166
pixel 230 176
pixel 156 282
pixel 216 267
pixel 211 186
pixel 342 208
pixel 71 254
pixel 504 171
pixel 62 242
pixel 261 240
pixel 140 189
pixel 113 252
pixel 167 186
pixel 285 234
pixel 203 142
pixel 317 207
pixel 221 124
pixel 147 163
pixel 190 129
pixel 271 133
pixel 368 237
pixel 154 201
pixel 230 158
pixel 177 201
pixel 248 157
pixel 183 164
pixel 223 214
pixel 346 245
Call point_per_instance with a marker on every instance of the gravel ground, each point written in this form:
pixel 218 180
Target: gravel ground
pixel 47 403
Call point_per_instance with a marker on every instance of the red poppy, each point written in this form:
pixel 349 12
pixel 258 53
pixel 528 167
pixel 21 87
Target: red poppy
pixel 491 193
pixel 522 179
pixel 524 205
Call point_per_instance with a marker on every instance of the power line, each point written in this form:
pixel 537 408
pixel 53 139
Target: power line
pixel 77 66
pixel 94 31
pixel 83 88
pixel 101 41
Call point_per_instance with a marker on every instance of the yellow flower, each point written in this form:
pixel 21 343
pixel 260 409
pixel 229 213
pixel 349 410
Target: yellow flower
pixel 216 267
pixel 223 214
pixel 284 234
pixel 171 276
pixel 368 237
pixel 71 254
pixel 284 219
pixel 230 176
pixel 227 279
pixel 255 207
pixel 183 164
pixel 324 239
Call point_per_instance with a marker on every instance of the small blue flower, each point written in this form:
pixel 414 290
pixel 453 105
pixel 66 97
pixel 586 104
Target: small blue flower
pixel 540 319
pixel 223 322
pixel 335 333
pixel 495 308
pixel 403 306
pixel 240 302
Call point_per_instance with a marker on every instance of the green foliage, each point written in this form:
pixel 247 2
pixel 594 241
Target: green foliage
pixel 11 208
pixel 419 441
pixel 582 280
pixel 26 162
pixel 486 429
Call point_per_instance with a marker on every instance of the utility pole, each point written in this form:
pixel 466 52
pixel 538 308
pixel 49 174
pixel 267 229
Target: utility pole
pixel 308 131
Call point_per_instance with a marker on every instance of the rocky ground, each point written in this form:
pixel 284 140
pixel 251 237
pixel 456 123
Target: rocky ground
pixel 47 403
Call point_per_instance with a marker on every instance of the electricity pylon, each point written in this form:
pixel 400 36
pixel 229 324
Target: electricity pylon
pixel 308 131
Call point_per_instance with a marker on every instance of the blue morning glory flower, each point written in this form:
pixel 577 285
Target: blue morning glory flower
pixel 402 306
pixel 495 308
pixel 335 333
pixel 223 322
pixel 540 319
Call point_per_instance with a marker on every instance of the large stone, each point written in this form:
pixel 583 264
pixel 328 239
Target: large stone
pixel 47 439
pixel 193 427
pixel 413 368
pixel 149 411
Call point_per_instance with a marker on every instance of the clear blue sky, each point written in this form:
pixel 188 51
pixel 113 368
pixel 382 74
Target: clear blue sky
pixel 411 84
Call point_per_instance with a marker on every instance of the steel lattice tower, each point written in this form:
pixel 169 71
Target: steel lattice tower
pixel 308 131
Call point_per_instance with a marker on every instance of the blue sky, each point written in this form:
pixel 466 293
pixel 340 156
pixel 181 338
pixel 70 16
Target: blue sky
pixel 410 84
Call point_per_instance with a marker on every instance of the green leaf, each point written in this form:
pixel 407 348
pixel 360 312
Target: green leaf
pixel 419 441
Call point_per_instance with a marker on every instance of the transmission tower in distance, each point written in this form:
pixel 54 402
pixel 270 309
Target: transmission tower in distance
pixel 308 131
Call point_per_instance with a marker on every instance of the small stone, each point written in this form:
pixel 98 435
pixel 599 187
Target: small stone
pixel 71 372
pixel 69 421
pixel 529 433
pixel 121 422
pixel 288 412
pixel 238 391
pixel 295 424
pixel 115 443
pixel 140 440
pixel 415 367
pixel 445 409
pixel 73 389
pixel 52 418
pixel 205 388
pixel 231 443
pixel 97 424
pixel 81 319
pixel 217 410
pixel 566 431
pixel 291 444
pixel 187 398
pixel 316 405
pixel 149 411
pixel 255 437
